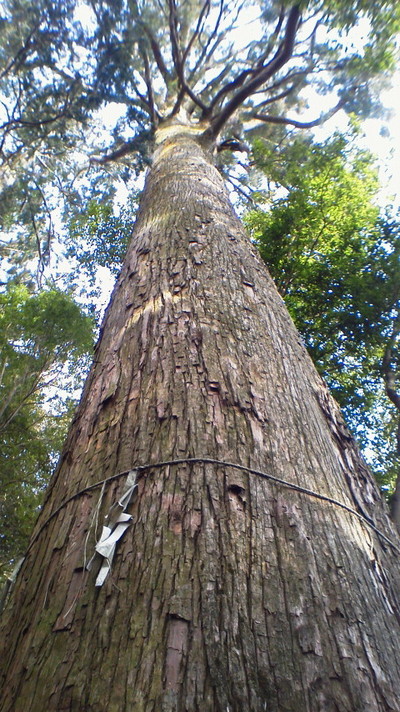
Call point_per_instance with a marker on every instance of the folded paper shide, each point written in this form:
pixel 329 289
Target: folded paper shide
pixel 117 522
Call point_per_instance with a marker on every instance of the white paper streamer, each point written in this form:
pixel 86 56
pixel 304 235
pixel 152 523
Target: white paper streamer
pixel 114 530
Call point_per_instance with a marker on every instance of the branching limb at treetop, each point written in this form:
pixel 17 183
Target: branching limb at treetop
pixel 155 48
pixel 152 59
pixel 198 29
pixel 299 124
pixel 254 71
pixel 211 44
pixel 282 56
pixel 179 62
pixel 149 85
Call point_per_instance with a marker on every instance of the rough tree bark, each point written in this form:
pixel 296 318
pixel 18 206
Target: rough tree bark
pixel 227 592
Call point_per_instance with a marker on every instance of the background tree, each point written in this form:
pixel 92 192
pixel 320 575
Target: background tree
pixel 44 342
pixel 335 261
pixel 96 244
pixel 46 337
pixel 390 362
pixel 227 592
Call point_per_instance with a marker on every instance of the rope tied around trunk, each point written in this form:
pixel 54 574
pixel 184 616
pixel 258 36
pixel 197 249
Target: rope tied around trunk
pixel 211 461
pixel 123 520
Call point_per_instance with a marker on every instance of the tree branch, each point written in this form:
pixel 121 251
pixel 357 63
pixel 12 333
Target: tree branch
pixel 8 125
pixel 237 186
pixel 120 152
pixel 282 56
pixel 231 86
pixel 150 94
pixel 198 29
pixel 204 57
pixel 216 81
pixel 295 77
pixel 158 58
pixel 277 97
pixel 20 57
pixel 155 47
pixel 179 62
pixel 273 38
pixel 266 118
pixel 241 78
pixel 173 35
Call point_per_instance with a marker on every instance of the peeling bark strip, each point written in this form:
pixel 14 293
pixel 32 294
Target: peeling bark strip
pixel 225 593
pixel 177 644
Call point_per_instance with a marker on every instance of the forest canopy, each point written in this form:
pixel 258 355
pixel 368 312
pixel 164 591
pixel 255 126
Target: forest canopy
pixel 240 67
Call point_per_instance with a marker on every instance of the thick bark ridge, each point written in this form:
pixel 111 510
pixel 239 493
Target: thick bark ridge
pixel 226 592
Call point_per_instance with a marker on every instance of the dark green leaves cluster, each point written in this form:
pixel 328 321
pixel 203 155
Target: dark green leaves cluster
pixel 44 344
pixel 98 238
pixel 336 263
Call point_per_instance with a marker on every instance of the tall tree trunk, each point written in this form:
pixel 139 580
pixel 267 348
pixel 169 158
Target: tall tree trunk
pixel 227 591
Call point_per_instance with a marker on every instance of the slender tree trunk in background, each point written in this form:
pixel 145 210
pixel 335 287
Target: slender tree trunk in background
pixel 390 377
pixel 395 504
pixel 227 592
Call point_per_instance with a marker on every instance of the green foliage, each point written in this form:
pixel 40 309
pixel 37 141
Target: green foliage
pixel 81 83
pixel 45 340
pixel 336 263
pixel 28 453
pixel 98 238
pixel 324 218
pixel 41 328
